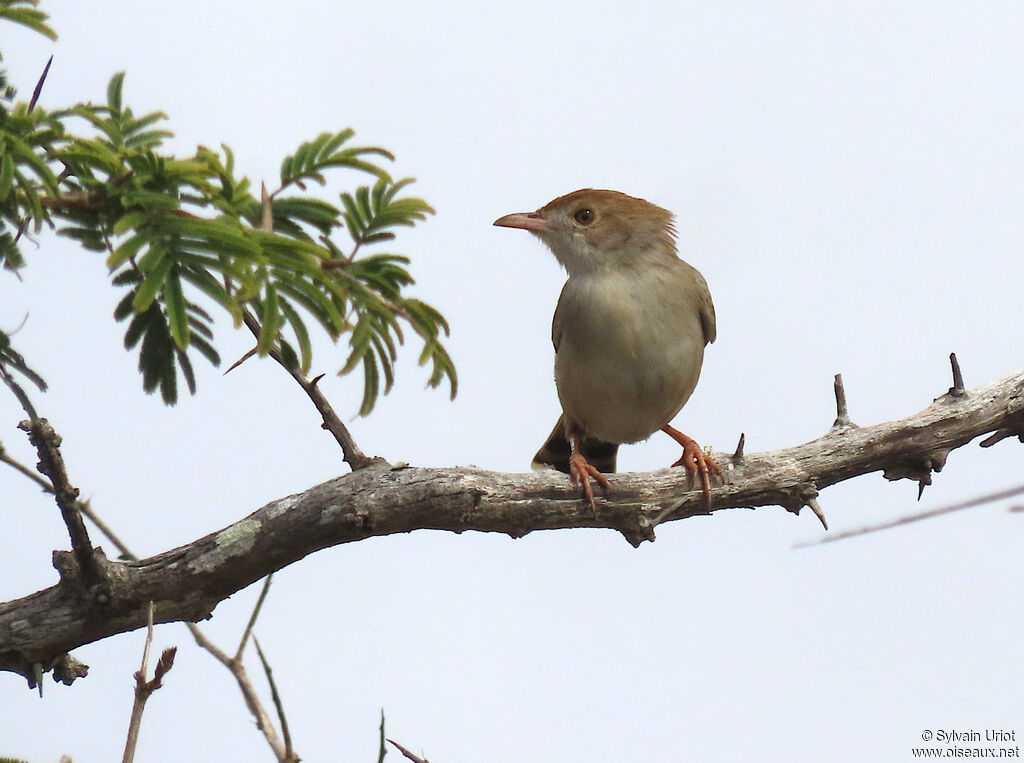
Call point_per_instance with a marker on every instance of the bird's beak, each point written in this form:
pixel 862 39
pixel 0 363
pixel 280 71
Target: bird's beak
pixel 531 221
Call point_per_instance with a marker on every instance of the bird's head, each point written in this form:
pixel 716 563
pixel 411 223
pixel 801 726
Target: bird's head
pixel 590 230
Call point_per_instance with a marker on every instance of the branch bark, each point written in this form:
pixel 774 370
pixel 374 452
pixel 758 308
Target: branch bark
pixel 186 583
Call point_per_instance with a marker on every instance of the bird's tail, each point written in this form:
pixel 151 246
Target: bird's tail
pixel 554 452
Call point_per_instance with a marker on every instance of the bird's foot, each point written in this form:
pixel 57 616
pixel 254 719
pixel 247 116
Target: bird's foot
pixel 696 462
pixel 581 472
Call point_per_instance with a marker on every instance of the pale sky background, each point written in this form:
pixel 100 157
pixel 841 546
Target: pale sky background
pixel 847 176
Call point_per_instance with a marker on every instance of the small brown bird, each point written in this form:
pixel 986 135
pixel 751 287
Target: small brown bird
pixel 629 332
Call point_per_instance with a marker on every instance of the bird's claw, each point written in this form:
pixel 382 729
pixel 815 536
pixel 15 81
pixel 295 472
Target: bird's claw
pixel 697 462
pixel 581 472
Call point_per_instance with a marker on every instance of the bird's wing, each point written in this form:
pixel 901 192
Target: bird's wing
pixel 556 322
pixel 706 309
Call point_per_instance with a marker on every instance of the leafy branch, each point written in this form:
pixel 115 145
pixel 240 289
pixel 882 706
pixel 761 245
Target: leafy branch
pixel 184 237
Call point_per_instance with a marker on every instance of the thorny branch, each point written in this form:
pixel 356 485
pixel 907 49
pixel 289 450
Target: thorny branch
pixel 188 582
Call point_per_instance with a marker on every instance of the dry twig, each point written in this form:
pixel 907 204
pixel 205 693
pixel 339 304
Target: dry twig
pixel 144 688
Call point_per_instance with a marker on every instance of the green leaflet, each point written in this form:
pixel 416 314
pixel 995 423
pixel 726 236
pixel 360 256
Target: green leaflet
pixel 177 313
pixel 271 314
pixel 160 266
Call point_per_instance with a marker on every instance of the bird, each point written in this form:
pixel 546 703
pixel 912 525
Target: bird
pixel 629 331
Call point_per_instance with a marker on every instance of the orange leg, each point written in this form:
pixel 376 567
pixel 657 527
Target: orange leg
pixel 695 461
pixel 581 471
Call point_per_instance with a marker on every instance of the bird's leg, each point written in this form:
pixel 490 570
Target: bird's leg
pixel 695 461
pixel 581 471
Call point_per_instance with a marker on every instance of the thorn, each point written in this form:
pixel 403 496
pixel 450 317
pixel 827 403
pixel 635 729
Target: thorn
pixel 737 457
pixel 316 380
pixel 920 488
pixel 842 415
pixel 410 755
pixel 814 506
pixel 267 223
pixel 39 86
pixel 957 390
pixel 241 360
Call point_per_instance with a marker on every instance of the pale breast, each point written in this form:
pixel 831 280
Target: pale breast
pixel 630 345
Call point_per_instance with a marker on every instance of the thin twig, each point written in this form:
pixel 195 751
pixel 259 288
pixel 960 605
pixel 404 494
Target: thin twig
pixel 144 689
pixel 351 452
pixel 980 500
pixel 252 618
pixel 382 749
pixel 19 393
pixel 289 754
pixel 4 458
pixel 263 720
pixel 86 508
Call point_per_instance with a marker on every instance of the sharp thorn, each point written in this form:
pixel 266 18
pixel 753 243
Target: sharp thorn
pixel 39 86
pixel 816 508
pixel 920 489
pixel 957 390
pixel 267 222
pixel 842 414
pixel 240 361
pixel 737 456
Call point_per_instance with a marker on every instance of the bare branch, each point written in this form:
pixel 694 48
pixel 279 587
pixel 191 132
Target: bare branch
pixel 289 753
pixel 6 459
pixel 252 618
pixel 263 720
pixel 51 463
pixel 19 393
pixel 144 689
pixel 188 582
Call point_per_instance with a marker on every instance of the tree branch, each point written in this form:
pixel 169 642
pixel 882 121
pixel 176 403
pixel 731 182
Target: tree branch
pixel 188 582
pixel 66 668
pixel 51 464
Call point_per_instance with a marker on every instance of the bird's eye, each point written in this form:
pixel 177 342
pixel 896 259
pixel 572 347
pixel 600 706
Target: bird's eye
pixel 584 216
